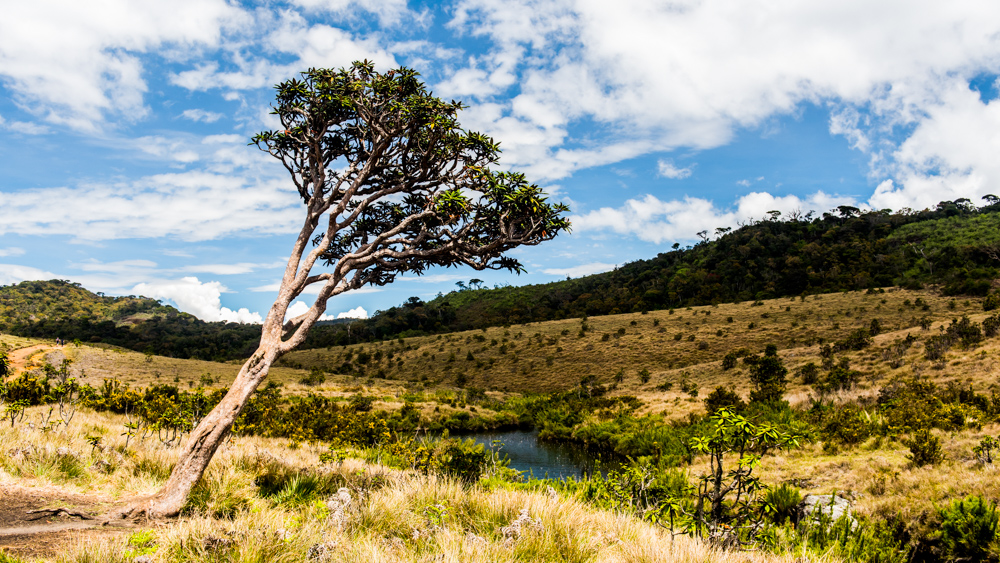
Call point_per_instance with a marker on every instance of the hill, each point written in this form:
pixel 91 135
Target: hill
pixel 953 246
pixel 58 308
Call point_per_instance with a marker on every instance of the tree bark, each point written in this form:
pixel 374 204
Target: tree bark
pixel 206 439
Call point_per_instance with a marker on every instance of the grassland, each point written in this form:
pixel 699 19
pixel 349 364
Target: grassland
pixel 551 356
pixel 876 475
pixel 385 515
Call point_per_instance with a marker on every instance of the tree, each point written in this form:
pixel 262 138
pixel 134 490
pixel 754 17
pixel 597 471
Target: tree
pixel 391 184
pixel 767 376
pixel 4 366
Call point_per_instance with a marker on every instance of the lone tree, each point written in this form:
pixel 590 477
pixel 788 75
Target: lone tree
pixel 767 376
pixel 391 183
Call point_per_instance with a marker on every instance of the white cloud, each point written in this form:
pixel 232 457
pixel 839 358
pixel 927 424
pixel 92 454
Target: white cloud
pixel 581 270
pixel 355 313
pixel 192 206
pixel 668 170
pixel 201 299
pixel 300 307
pixel 231 269
pixel 658 76
pixel 11 251
pixel 25 127
pixel 387 11
pixel 77 63
pixel 201 115
pixel 653 220
pixel 15 273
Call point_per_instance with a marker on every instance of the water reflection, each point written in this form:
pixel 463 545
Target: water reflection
pixel 538 459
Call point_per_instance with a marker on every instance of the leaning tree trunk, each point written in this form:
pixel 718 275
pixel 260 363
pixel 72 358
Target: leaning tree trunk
pixel 207 437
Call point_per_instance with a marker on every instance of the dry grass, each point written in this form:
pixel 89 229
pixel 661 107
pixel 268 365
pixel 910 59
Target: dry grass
pixel 541 358
pixel 392 515
pixel 796 326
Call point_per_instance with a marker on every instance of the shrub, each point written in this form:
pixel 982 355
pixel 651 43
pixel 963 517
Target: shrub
pixel 846 425
pixel 644 375
pixel 991 302
pixel 729 361
pixel 315 377
pixel 969 529
pixel 984 451
pixel 809 373
pixel 925 449
pixel 857 340
pixel 767 376
pixel 783 503
pixel 991 325
pixel 724 397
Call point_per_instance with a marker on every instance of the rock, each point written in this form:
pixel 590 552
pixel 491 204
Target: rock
pixel 213 544
pixel 828 508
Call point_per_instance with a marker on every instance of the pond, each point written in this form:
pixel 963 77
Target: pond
pixel 541 459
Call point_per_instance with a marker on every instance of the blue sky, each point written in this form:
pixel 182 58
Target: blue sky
pixel 124 125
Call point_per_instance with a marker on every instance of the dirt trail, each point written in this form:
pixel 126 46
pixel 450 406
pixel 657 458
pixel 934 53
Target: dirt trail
pixel 38 535
pixel 19 358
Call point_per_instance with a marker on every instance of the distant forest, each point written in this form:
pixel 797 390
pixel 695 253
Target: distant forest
pixel 955 245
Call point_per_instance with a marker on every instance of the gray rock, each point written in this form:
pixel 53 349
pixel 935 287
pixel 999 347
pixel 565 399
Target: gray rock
pixel 825 507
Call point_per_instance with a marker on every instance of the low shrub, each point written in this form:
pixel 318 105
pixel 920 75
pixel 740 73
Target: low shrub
pixel 968 530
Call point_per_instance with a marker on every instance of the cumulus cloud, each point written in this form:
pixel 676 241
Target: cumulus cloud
pixel 15 273
pixel 201 115
pixel 355 313
pixel 300 307
pixel 77 63
pixel 689 74
pixel 192 206
pixel 201 299
pixel 581 270
pixel 667 169
pixel 657 221
pixel 11 251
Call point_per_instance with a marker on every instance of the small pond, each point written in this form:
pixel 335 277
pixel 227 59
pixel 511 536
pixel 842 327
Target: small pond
pixel 540 459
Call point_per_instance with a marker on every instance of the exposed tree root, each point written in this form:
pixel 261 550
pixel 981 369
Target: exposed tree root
pixel 42 513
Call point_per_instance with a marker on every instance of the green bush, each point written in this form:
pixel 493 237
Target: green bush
pixel 925 449
pixel 809 373
pixel 991 302
pixel 783 503
pixel 724 397
pixel 969 530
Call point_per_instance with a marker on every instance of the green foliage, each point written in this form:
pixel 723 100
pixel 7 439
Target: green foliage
pixel 729 502
pixel 28 388
pixel 4 366
pixel 809 373
pixel 991 302
pixel 314 377
pixel 846 424
pixel 724 397
pixel 984 450
pixel 968 530
pixel 782 503
pixel 767 376
pixel 925 449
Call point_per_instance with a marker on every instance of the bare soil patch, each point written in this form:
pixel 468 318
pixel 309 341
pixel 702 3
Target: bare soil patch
pixel 40 534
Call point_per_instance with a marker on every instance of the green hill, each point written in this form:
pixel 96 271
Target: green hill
pixel 951 245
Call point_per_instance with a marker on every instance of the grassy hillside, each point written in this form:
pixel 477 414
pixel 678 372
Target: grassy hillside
pixel 764 259
pixel 849 439
pixel 34 301
pixel 672 345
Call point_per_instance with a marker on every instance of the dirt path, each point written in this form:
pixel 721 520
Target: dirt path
pixel 40 535
pixel 19 359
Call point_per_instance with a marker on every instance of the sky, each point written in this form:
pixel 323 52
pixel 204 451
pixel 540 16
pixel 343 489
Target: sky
pixel 124 126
